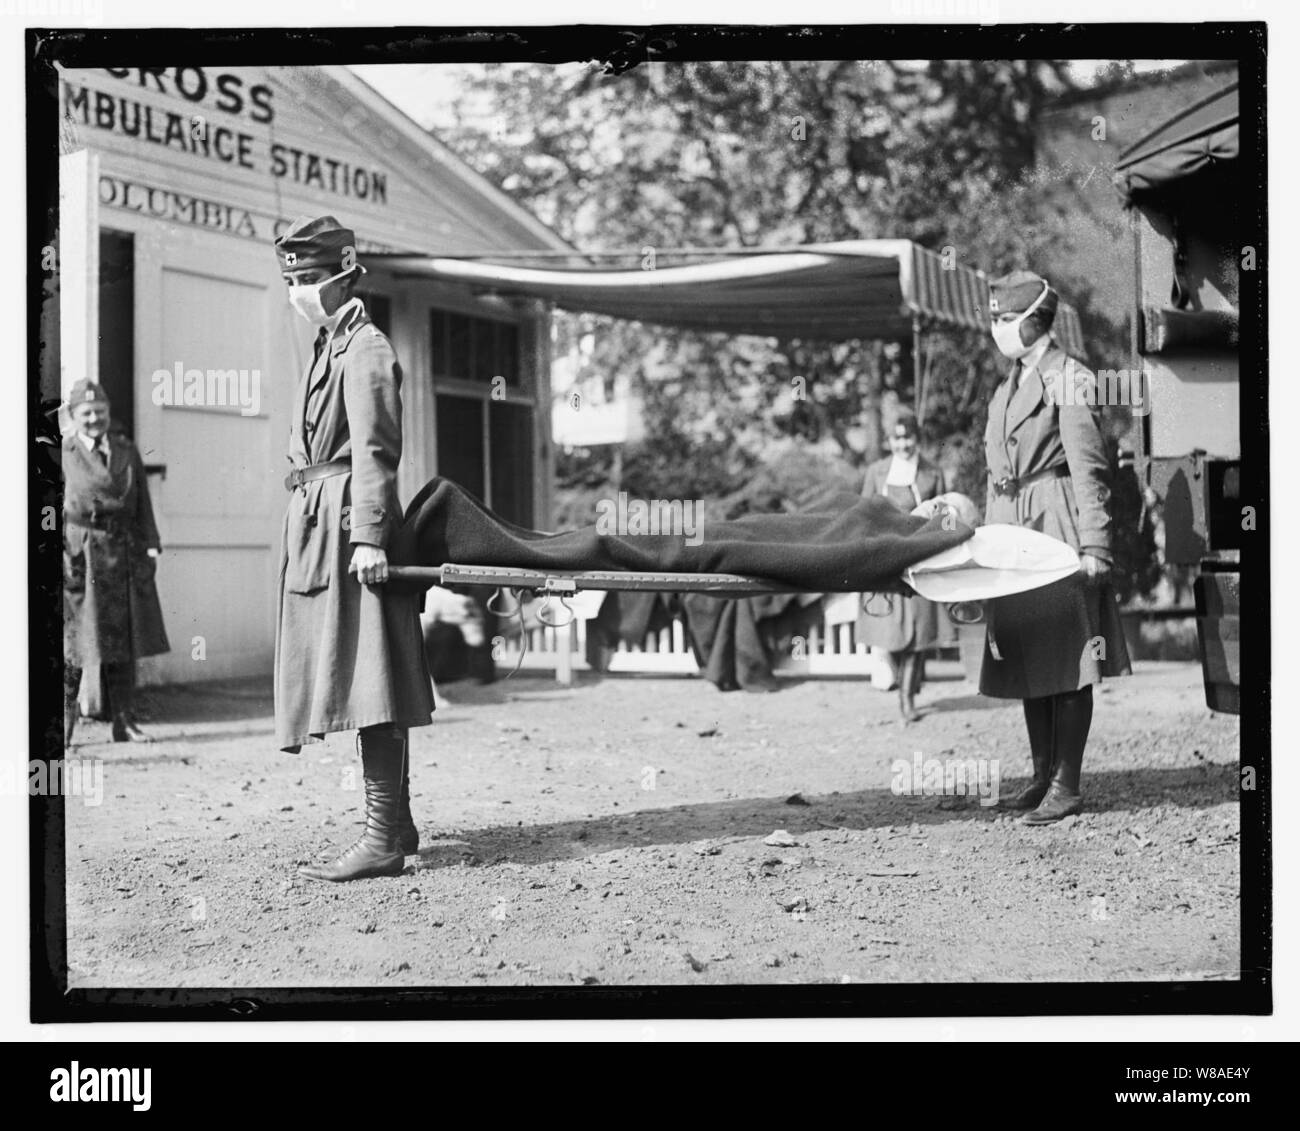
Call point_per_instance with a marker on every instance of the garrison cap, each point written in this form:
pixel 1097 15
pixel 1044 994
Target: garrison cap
pixel 86 391
pixel 318 242
pixel 1018 291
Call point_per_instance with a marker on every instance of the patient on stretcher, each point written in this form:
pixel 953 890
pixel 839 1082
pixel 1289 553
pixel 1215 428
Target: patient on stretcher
pixel 961 506
pixel 837 544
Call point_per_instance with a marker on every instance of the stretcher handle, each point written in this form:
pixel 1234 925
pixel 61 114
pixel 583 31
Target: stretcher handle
pixel 966 612
pixel 499 592
pixel 427 575
pixel 543 613
pixel 871 604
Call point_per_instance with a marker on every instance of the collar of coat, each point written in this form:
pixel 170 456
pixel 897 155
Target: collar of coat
pixel 352 320
pixel 1023 399
pixel 1036 353
pixel 348 319
pixel 112 443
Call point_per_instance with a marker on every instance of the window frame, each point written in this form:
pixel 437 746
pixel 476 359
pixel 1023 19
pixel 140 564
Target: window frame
pixel 522 391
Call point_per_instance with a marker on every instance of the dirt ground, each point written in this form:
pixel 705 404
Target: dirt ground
pixel 614 833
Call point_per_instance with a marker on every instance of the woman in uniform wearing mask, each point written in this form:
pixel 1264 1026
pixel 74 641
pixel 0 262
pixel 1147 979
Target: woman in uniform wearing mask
pixel 911 624
pixel 1048 470
pixel 349 654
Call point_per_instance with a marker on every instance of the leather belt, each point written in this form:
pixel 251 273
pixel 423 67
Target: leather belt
pixel 301 476
pixel 1010 486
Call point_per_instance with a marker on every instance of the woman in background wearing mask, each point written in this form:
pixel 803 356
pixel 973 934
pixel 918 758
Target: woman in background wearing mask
pixel 1048 470
pixel 348 654
pixel 911 625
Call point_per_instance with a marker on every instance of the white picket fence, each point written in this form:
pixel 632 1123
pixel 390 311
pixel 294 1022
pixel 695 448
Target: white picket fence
pixel 829 649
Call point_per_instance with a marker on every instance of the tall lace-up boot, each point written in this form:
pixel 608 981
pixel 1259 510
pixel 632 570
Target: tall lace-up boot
pixel 378 851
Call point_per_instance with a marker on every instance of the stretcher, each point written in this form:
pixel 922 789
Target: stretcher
pixel 996 561
pixel 558 585
pixel 551 586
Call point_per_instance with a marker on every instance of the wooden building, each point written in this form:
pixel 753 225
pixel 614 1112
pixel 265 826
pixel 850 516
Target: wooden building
pixel 174 183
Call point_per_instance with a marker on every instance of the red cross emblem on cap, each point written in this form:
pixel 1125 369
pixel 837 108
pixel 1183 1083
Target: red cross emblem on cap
pixel 290 258
pixel 993 305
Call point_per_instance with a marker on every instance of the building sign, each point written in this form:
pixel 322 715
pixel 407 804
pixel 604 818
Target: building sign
pixel 199 212
pixel 223 106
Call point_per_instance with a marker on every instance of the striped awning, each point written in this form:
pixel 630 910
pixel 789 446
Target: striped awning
pixel 855 289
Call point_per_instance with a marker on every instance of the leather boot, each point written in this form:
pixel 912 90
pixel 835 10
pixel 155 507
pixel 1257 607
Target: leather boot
pixel 71 684
pixel 1038 722
pixel 377 851
pixel 125 730
pixel 1073 719
pixel 120 678
pixel 907 684
pixel 408 836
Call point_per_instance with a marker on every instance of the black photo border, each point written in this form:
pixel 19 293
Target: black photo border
pixel 621 47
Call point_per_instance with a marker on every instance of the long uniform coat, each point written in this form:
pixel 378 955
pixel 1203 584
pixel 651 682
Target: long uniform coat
pixel 912 623
pixel 1067 635
pixel 347 655
pixel 110 604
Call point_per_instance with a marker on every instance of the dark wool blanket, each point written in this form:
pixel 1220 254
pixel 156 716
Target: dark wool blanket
pixel 838 543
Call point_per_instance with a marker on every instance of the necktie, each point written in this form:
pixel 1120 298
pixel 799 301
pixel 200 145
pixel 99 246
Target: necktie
pixel 315 388
pixel 101 450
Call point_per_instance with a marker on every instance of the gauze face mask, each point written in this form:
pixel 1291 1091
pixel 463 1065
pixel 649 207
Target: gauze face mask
pixel 1006 335
pixel 306 300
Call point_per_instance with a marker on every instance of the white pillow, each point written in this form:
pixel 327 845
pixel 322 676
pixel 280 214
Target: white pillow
pixel 997 561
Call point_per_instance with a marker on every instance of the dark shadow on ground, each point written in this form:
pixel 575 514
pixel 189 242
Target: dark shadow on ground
pixel 1195 787
pixel 966 703
pixel 224 700
pixel 167 746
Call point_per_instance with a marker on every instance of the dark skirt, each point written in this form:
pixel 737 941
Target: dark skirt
pixel 1063 637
